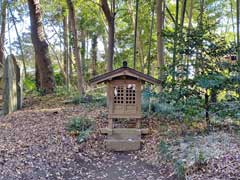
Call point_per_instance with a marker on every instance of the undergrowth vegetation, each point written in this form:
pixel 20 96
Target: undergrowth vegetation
pixel 80 127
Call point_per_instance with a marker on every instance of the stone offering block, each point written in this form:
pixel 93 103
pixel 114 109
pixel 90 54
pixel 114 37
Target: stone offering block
pixel 12 85
pixel 124 139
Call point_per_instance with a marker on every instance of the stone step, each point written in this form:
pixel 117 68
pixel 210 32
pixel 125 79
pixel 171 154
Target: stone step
pixel 123 145
pixel 124 139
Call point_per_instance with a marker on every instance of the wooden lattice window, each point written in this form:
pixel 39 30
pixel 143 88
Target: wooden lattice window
pixel 130 94
pixel 119 95
pixel 125 94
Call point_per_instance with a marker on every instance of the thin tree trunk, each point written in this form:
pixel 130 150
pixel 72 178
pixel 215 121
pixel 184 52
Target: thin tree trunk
pixel 70 50
pixel 44 65
pixel 189 26
pixel 207 110
pixel 135 35
pixel 160 44
pixel 183 13
pixel 3 30
pixel 198 67
pixel 94 55
pixel 9 36
pixel 233 25
pixel 175 43
pixel 238 29
pixel 83 50
pixel 139 43
pixel 150 42
pixel 66 49
pixel 110 16
pixel 19 41
pixel 76 47
pixel 190 14
pixel 70 65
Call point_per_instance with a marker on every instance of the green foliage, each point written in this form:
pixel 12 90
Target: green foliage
pixel 164 150
pixel 200 159
pixel 179 170
pixel 29 84
pixel 180 104
pixel 64 91
pixel 90 100
pixel 59 79
pixel 80 126
pixel 166 153
pixel 227 109
pixel 211 81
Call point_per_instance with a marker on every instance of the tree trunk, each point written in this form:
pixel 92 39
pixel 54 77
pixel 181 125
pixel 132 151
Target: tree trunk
pixel 139 44
pixel 19 41
pixel 41 48
pixel 213 96
pixel 83 50
pixel 189 26
pixel 160 44
pixel 110 16
pixel 3 29
pixel 70 54
pixel 94 55
pixel 238 29
pixel 66 49
pixel 175 44
pixel 135 35
pixel 150 42
pixel 183 13
pixel 198 64
pixel 207 110
pixel 232 16
pixel 76 49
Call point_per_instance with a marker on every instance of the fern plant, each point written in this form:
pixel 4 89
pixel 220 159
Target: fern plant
pixel 81 127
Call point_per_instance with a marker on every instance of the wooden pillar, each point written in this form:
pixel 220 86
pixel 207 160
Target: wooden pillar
pixel 138 126
pixel 110 126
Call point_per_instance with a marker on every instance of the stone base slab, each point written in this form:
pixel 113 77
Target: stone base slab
pixel 124 139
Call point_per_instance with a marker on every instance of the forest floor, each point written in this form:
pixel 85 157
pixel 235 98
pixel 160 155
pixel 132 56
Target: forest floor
pixel 34 144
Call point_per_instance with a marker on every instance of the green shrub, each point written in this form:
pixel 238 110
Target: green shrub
pixel 29 84
pixel 81 127
pixel 64 91
pixel 59 79
pixel 179 170
pixel 178 105
pixel 200 159
pixel 90 100
pixel 164 150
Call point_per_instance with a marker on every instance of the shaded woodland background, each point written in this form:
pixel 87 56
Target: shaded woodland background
pixel 191 46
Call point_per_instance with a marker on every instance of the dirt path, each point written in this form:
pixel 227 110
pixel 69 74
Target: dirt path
pixel 35 145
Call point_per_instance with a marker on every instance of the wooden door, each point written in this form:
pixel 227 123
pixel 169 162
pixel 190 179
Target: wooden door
pixel 126 101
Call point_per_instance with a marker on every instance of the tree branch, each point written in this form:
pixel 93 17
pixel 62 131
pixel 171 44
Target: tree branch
pixel 106 10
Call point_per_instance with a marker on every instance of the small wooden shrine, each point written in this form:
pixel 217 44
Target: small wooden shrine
pixel 124 102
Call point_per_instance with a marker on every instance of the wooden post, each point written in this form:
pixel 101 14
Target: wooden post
pixel 138 126
pixel 110 126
